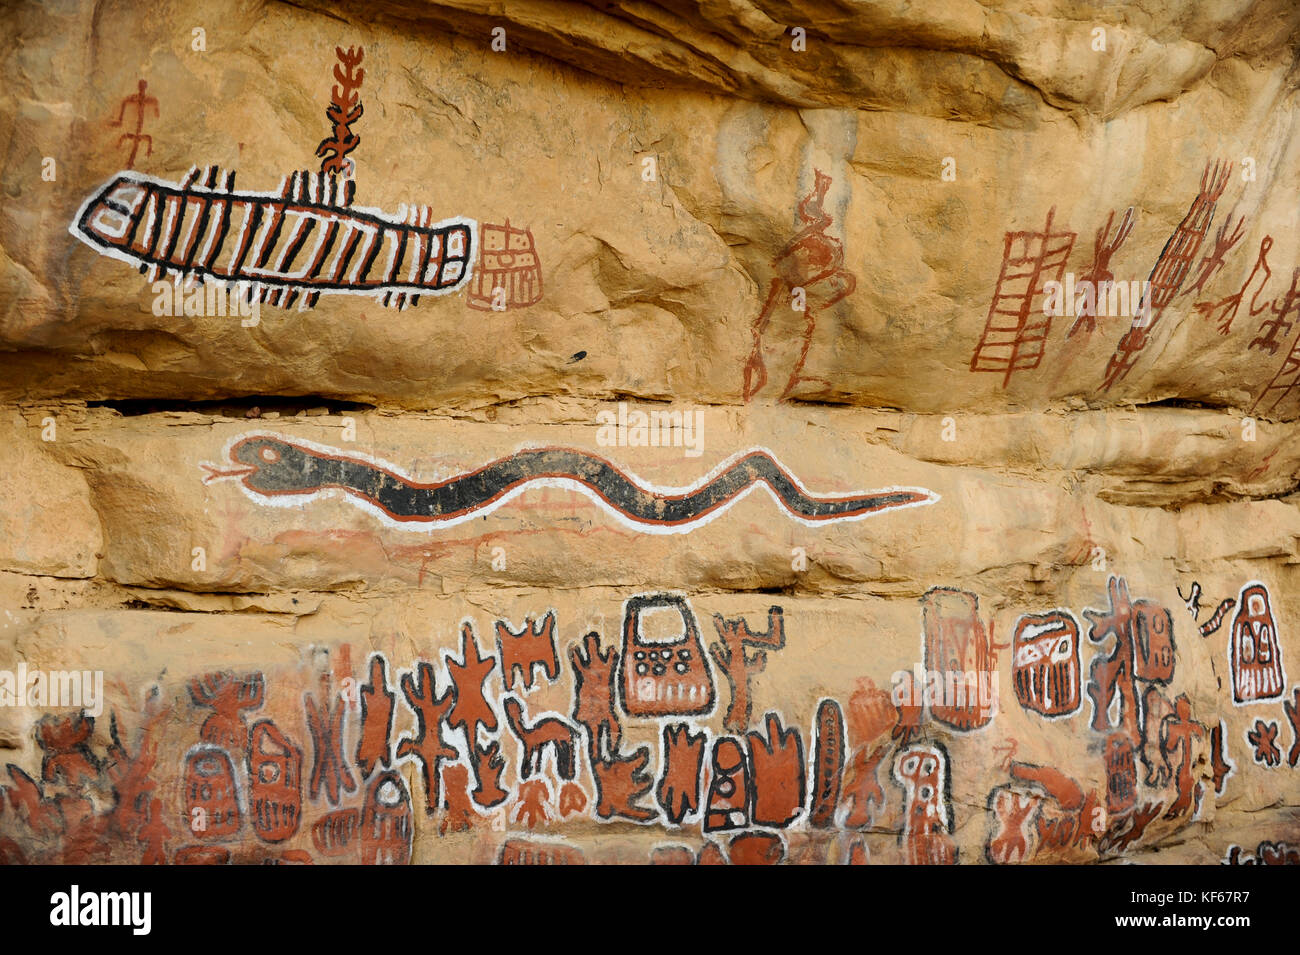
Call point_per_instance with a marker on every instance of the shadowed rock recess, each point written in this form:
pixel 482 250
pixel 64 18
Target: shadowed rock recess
pixel 748 431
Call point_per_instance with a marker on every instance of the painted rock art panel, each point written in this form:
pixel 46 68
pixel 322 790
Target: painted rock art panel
pixel 600 206
pixel 528 437
pixel 438 745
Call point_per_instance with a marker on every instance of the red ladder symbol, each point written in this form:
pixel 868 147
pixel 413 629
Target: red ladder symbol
pixel 1029 259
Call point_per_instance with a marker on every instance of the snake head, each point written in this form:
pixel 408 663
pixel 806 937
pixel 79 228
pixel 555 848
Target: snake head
pixel 268 464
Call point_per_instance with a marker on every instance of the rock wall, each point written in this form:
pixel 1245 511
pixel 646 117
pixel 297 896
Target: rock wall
pixel 740 432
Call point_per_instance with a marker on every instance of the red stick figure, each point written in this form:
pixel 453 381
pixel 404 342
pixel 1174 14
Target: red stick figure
pixel 738 666
pixel 812 263
pixel 1169 272
pixel 141 102
pixel 534 802
pixel 1225 309
pixel 153 836
pixel 427 745
pixel 1223 244
pixel 1256 472
pixel 1104 246
pixel 863 794
pixel 1273 331
pixel 1014 838
pixel 1177 733
pixel 1284 381
pixel 872 716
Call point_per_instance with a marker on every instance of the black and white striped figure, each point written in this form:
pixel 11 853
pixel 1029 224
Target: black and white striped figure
pixel 287 247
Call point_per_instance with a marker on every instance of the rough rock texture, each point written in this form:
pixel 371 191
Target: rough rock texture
pixel 1009 587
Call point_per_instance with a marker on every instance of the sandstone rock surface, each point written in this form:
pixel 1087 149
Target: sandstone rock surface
pixel 643 436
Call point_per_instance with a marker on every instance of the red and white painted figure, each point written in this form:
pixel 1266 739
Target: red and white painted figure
pixel 1121 774
pixel 386 828
pixel 1143 649
pixel 728 802
pixel 665 672
pixel 959 646
pixel 1253 648
pixel 528 650
pixel 228 695
pixel 1045 669
pixel 1014 838
pixel 922 771
pixel 1153 632
pixel 275 782
pixel 211 794
pixel 508 273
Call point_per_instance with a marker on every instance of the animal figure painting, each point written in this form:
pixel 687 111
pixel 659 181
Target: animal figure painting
pixel 275 469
